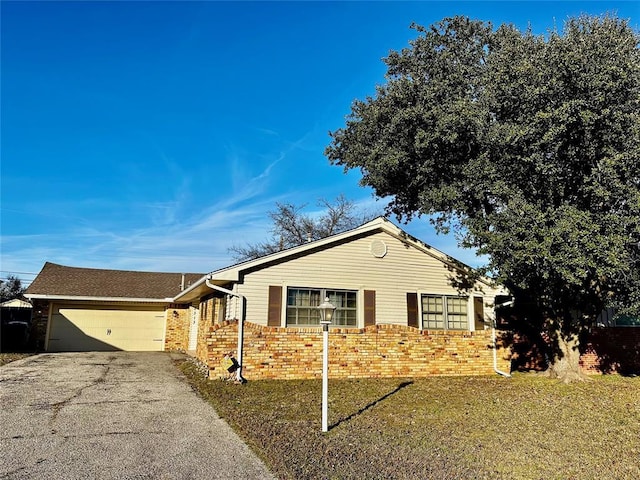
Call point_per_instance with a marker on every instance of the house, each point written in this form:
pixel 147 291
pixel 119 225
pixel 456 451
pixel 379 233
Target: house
pixel 16 303
pixel 400 310
pixel 15 324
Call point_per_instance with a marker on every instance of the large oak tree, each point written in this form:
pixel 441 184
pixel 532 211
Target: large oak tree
pixel 528 146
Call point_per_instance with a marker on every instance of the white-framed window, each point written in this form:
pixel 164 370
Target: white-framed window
pixel 302 306
pixel 444 312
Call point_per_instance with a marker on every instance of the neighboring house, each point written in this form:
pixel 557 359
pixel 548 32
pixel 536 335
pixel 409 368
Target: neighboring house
pixel 609 318
pixel 15 324
pixel 16 303
pixel 398 313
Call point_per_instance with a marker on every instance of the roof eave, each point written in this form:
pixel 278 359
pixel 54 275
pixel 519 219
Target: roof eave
pixel 84 298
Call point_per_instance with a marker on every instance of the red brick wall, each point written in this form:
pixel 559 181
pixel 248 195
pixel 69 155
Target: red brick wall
pixel 606 350
pixel 612 350
pixel 376 351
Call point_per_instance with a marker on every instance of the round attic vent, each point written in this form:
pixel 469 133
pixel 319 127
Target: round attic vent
pixel 378 248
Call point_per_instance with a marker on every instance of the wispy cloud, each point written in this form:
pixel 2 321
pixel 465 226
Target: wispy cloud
pixel 164 235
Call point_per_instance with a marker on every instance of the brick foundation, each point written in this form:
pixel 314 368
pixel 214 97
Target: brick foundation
pixel 376 351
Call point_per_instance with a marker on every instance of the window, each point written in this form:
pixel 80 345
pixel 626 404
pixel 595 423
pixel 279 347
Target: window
pixel 302 306
pixel 441 312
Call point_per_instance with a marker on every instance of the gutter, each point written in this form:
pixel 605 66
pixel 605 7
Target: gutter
pixel 242 298
pixel 193 286
pixel 38 296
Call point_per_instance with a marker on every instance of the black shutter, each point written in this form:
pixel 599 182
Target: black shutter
pixel 369 307
pixel 412 309
pixel 478 313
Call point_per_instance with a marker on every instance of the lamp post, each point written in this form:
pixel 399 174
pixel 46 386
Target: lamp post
pixel 326 314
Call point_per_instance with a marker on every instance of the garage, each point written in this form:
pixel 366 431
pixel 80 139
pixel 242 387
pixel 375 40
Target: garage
pixel 89 309
pixel 106 327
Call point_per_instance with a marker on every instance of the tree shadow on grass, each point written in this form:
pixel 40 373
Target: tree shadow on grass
pixel 370 405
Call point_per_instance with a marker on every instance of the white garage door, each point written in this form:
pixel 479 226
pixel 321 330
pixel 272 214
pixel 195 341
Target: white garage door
pixel 75 329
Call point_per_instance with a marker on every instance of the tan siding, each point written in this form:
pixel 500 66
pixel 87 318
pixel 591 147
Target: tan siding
pixel 351 266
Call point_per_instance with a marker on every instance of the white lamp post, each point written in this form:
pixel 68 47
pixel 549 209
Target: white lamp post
pixel 326 315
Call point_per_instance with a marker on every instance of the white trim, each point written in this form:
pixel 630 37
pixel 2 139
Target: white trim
pixel 71 298
pixel 46 338
pixel 360 309
pixel 164 330
pixel 284 302
pixel 444 296
pixel 192 287
pixel 194 324
pixel 359 304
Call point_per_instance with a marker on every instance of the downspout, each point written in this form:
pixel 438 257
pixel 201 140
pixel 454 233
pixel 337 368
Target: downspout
pixel 495 343
pixel 242 298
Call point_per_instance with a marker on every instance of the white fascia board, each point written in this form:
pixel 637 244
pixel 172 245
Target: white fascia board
pixel 193 286
pixel 200 282
pixel 37 296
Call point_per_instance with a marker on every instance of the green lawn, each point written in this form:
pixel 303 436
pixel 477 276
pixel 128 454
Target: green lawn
pixel 527 427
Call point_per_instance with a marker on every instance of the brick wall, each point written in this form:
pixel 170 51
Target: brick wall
pixel 376 351
pixel 39 319
pixel 606 350
pixel 612 350
pixel 177 331
pixel 210 309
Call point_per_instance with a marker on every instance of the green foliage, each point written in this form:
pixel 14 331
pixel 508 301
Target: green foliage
pixel 527 145
pixel 11 288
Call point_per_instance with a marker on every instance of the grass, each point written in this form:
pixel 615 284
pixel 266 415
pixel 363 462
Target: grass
pixel 12 357
pixel 527 427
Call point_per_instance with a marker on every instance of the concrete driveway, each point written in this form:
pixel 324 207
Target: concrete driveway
pixel 110 415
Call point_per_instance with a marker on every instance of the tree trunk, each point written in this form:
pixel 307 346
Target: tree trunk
pixel 565 364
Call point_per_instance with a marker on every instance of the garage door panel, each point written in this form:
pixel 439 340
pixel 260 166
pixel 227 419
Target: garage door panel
pixel 75 328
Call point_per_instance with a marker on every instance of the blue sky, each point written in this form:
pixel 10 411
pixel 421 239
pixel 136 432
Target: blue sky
pixel 154 136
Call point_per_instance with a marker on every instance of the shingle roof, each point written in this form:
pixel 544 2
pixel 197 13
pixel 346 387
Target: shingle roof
pixel 60 280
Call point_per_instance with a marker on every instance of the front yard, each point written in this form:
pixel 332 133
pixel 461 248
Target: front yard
pixel 527 427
